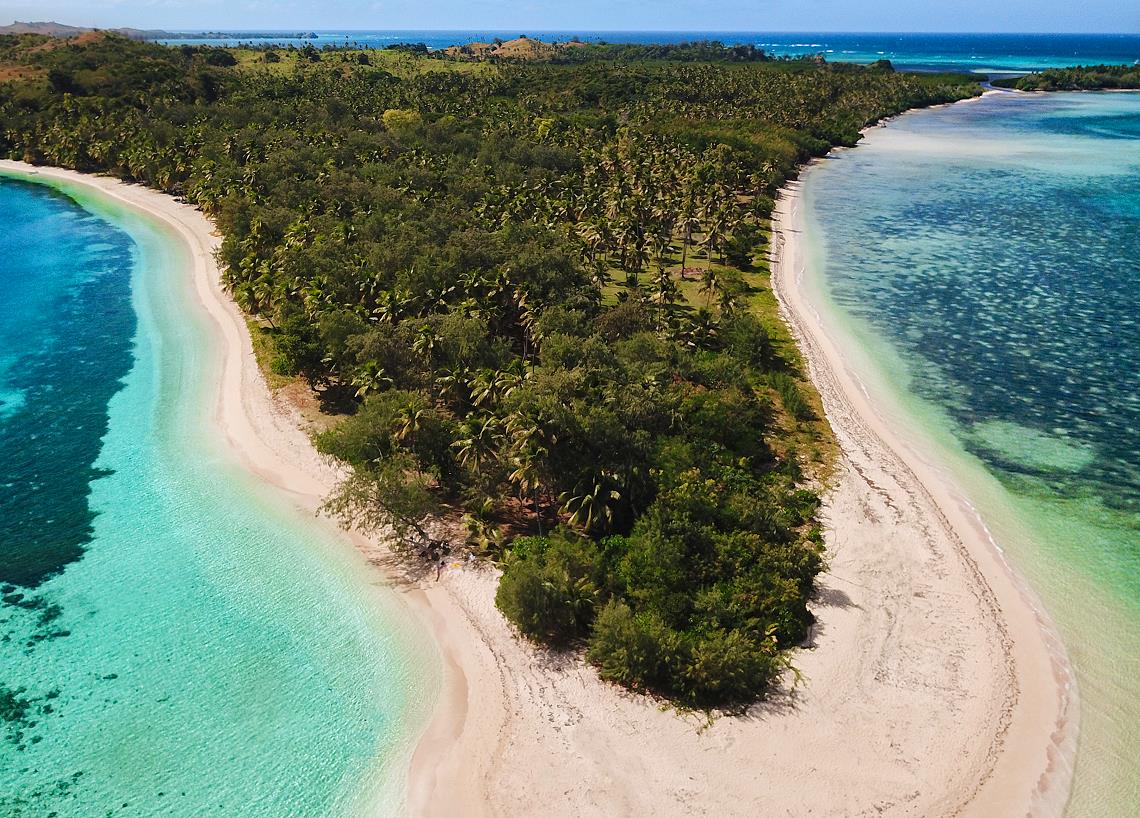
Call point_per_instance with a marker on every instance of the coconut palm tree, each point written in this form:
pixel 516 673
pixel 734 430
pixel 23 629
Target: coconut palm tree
pixel 479 441
pixel 665 290
pixel 591 505
pixel 527 452
pixel 710 284
pixel 410 420
pixel 369 378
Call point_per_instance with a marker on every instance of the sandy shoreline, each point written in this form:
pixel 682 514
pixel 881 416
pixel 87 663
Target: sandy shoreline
pixel 929 686
pixel 1029 763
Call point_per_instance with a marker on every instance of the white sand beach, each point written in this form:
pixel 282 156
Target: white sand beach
pixel 930 687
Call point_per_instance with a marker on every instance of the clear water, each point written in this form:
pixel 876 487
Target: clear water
pixel 176 638
pixel 979 53
pixel 985 257
pixel 58 370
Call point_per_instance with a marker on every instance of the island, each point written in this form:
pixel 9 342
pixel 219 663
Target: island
pixel 53 29
pixel 535 304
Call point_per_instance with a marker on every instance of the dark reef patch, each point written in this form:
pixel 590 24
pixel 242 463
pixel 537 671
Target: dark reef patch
pixel 73 347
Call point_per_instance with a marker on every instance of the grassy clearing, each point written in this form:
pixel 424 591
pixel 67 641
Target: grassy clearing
pixel 397 63
pixel 263 351
pixel 799 408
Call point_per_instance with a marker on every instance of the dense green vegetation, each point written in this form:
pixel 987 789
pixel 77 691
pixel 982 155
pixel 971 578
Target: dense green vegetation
pixel 1081 78
pixel 699 51
pixel 535 292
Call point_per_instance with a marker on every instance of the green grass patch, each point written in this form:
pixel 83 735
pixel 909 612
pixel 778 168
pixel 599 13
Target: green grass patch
pixel 264 351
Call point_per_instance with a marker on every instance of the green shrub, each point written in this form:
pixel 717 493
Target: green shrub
pixel 531 602
pixel 789 391
pixel 635 651
pixel 392 422
pixel 525 547
pixel 220 57
pixel 746 340
pixel 726 667
pixel 742 244
pixel 297 349
pixel 552 594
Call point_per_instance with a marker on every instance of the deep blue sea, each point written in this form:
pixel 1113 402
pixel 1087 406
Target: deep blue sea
pixel 979 53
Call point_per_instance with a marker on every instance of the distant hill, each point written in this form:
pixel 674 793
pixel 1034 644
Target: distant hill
pixel 523 48
pixel 528 49
pixel 53 29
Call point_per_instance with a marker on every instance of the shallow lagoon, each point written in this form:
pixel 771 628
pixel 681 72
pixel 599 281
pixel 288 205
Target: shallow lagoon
pixel 985 257
pixel 200 646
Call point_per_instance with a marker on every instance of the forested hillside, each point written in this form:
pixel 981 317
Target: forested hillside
pixel 531 294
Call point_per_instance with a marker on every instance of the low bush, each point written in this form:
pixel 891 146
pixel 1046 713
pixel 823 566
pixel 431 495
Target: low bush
pixel 552 593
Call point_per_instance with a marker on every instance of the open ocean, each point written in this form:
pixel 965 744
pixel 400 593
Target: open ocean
pixel 176 639
pixel 978 53
pixel 984 261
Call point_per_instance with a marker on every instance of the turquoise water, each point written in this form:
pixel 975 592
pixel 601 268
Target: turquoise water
pixel 985 259
pixel 176 638
pixel 58 370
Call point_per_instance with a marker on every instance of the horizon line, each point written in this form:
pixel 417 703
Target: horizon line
pixel 345 30
pixel 560 30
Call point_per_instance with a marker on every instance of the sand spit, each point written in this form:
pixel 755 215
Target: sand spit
pixel 929 688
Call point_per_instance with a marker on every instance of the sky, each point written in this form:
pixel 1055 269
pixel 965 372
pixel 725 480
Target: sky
pixel 1115 16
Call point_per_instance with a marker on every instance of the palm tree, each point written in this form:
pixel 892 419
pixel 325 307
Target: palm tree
pixel 662 240
pixel 489 386
pixel 714 230
pixel 479 441
pixel 482 533
pixel 425 341
pixel 591 505
pixel 409 421
pixel 703 329
pixel 526 454
pixel 592 238
pixel 727 302
pixel 665 290
pixel 370 378
pixel 452 385
pixel 600 275
pixel 710 284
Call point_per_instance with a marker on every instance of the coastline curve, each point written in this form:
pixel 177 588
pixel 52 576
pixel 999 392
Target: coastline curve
pixel 876 672
pixel 263 434
pixel 1028 762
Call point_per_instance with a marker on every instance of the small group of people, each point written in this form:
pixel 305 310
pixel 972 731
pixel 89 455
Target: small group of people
pixel 436 551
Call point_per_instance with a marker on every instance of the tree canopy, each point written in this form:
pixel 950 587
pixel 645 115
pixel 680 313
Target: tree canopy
pixel 1079 78
pixel 533 293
